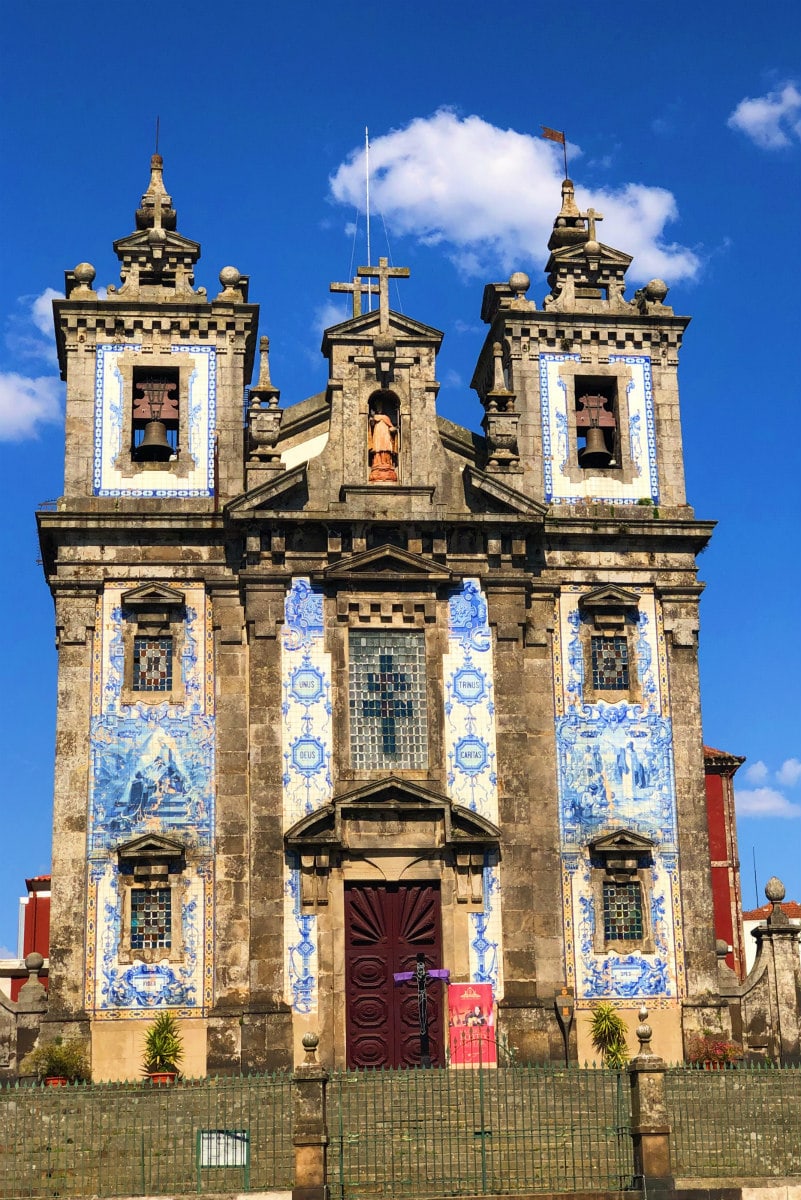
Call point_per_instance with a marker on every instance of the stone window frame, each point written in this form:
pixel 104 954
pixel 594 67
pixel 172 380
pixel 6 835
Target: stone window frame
pixel 609 612
pixel 621 375
pixel 370 611
pixel 622 857
pixel 153 611
pixel 129 362
pixel 147 863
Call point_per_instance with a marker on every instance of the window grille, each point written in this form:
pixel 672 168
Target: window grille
pixel 610 664
pixel 151 918
pixel 152 664
pixel 623 912
pixel 387 699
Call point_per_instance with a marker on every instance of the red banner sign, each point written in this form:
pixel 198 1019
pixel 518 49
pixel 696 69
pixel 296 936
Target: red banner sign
pixel 471 1020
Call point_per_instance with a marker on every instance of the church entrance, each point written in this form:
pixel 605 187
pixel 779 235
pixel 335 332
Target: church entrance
pixel 386 927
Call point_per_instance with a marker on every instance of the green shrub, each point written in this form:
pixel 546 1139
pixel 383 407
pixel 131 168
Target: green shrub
pixel 608 1032
pixel 164 1045
pixel 67 1060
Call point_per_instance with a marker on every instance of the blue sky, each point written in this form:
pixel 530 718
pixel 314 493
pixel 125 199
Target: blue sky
pixel 684 123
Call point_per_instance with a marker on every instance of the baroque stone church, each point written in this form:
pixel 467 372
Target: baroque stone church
pixel 344 687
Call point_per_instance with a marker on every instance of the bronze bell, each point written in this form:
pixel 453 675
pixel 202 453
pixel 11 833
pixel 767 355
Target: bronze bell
pixel 595 453
pixel 154 446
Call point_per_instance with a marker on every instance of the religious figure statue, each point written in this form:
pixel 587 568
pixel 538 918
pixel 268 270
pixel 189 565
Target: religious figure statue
pixel 382 444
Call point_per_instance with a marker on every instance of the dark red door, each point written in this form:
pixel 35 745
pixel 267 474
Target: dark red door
pixel 386 927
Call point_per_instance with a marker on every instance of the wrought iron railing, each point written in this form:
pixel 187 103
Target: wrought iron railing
pixel 476 1131
pixel 741 1122
pixel 211 1135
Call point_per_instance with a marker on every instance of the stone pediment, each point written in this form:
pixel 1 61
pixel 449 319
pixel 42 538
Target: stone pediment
pixel 153 595
pixel 501 493
pixel 368 324
pixel 142 240
pixel 577 254
pixel 621 842
pixel 388 565
pixel 610 598
pixel 266 495
pixel 392 813
pixel 151 846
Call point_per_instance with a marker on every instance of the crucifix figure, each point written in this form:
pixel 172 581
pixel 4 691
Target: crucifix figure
pixel 383 273
pixel 421 976
pixel 357 290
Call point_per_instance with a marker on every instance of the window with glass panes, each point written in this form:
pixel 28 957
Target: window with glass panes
pixel 387 699
pixel 152 664
pixel 623 912
pixel 610 664
pixel 151 918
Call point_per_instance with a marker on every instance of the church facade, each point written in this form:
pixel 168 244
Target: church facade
pixel 345 688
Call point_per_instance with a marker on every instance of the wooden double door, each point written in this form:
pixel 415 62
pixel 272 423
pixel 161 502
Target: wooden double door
pixel 386 927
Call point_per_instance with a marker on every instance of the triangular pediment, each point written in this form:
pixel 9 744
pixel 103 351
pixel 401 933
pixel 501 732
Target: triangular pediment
pixel 149 595
pixel 150 846
pixel 388 564
pixel 368 324
pixel 142 239
pixel 578 254
pixel 503 494
pixel 266 495
pixel 621 841
pixel 609 597
pixel 404 801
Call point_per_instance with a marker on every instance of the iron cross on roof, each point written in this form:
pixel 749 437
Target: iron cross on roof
pixel 383 273
pixel 357 290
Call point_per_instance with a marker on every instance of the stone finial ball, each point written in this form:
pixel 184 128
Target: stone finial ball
pixel 656 290
pixel 592 247
pixel 721 948
pixel 775 890
pixel 310 1041
pixel 230 277
pixel 519 282
pixel 85 273
pixel 34 961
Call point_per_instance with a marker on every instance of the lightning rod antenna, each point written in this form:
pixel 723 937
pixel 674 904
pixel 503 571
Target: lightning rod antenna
pixel 367 204
pixel 157 134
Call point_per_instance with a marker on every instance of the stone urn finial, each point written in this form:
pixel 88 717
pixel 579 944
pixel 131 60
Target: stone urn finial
pixel 644 1031
pixel 310 1041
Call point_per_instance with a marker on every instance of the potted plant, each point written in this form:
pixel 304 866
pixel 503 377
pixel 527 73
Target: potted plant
pixel 712 1050
pixel 608 1033
pixel 164 1049
pixel 57 1063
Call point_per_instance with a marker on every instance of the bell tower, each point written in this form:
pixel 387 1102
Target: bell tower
pixel 582 415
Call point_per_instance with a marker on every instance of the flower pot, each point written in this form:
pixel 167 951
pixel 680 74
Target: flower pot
pixel 709 1065
pixel 162 1076
pixel 56 1081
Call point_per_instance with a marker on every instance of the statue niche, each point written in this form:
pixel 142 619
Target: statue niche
pixel 382 437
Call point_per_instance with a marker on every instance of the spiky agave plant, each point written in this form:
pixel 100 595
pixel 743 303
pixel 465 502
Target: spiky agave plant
pixel 608 1032
pixel 164 1046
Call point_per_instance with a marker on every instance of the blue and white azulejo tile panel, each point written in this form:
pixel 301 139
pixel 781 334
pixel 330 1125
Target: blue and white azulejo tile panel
pixel 151 771
pixel 562 485
pixel 615 770
pixel 472 780
pixel 200 424
pixel 307 781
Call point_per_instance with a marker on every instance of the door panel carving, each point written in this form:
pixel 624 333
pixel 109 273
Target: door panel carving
pixel 386 927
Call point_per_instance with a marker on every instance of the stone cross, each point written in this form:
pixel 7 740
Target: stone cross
pixel 357 289
pixel 591 216
pixel 383 273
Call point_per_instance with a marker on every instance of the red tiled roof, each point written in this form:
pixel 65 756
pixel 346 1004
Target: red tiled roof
pixel 790 907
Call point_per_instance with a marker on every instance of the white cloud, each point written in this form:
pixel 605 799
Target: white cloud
pixel 764 802
pixel 770 121
pixel 489 197
pixel 42 310
pixel 6 952
pixel 789 773
pixel 25 404
pixel 757 772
